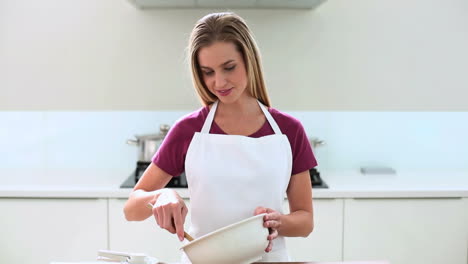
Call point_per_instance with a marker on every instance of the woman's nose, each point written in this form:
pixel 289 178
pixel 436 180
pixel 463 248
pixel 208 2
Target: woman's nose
pixel 220 80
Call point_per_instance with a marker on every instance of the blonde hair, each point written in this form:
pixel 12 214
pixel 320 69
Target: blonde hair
pixel 226 27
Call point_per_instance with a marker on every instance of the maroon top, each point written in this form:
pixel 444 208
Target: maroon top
pixel 170 156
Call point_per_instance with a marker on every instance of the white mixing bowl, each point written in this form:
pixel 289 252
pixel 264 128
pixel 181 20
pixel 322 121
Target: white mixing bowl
pixel 239 243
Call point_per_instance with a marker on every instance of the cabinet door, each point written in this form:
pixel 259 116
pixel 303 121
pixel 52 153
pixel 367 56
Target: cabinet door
pixel 325 242
pixel 466 225
pixel 142 237
pixel 405 231
pixel 45 230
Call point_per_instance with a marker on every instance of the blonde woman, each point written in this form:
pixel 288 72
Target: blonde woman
pixel 240 155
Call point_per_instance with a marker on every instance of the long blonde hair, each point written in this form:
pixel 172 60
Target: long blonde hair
pixel 226 27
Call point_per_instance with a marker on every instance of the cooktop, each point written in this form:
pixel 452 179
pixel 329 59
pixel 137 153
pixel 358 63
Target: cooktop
pixel 181 181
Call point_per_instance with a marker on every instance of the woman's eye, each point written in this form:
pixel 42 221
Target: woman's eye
pixel 230 68
pixel 208 73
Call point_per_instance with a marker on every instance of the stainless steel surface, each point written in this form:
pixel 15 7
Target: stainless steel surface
pixel 149 144
pixel 316 142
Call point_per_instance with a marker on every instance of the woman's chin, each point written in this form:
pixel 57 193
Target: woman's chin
pixel 227 99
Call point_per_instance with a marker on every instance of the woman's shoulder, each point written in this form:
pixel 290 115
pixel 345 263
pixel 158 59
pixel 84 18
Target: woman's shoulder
pixel 193 121
pixel 285 120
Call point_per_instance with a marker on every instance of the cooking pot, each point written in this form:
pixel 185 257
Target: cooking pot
pixel 149 143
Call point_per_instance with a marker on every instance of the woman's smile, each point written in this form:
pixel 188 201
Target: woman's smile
pixel 224 92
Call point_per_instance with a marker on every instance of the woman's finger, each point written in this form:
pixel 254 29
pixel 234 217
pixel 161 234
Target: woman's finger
pixel 168 222
pixel 157 214
pixel 179 224
pixel 162 219
pixel 260 210
pixel 184 211
pixel 273 234
pixel 272 215
pixel 156 217
pixel 272 224
pixel 269 247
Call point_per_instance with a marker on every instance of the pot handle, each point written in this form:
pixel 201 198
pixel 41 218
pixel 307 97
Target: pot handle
pixel 133 142
pixel 316 142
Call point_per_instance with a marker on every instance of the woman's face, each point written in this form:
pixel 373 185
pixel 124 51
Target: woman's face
pixel 223 71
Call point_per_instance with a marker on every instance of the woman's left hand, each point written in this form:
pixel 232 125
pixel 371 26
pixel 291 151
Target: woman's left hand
pixel 272 221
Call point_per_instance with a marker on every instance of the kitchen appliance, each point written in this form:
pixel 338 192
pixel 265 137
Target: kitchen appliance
pixel 149 143
pixel 181 180
pixel 315 178
pixel 176 182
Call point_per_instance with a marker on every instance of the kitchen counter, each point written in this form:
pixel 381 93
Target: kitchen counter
pixel 341 262
pixel 342 184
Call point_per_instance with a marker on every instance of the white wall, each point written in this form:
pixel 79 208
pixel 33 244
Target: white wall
pixel 368 55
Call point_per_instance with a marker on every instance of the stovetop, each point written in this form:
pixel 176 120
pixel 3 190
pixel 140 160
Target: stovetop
pixel 181 180
pixel 176 182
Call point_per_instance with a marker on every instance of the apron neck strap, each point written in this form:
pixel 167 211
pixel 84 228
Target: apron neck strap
pixel 270 119
pixel 209 119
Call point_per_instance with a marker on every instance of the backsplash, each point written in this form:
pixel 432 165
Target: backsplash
pixel 96 141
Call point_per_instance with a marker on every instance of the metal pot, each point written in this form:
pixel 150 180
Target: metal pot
pixel 149 144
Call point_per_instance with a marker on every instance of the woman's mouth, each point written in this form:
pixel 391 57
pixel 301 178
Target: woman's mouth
pixel 224 92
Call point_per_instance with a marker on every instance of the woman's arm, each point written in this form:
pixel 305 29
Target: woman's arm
pixel 300 221
pixel 147 190
pixel 169 208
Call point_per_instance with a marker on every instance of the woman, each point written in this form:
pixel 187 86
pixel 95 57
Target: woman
pixel 240 155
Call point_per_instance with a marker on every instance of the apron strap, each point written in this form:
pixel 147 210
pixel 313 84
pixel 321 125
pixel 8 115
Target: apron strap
pixel 209 119
pixel 270 119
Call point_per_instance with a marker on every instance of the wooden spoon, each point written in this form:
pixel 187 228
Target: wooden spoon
pixel 186 235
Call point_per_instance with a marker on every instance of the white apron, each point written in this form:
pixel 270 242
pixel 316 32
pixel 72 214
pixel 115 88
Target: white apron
pixel 228 176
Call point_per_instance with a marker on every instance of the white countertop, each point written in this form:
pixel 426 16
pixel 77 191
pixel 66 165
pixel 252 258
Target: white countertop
pixel 342 184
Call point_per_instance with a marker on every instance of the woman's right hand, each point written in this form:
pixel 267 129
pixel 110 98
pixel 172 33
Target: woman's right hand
pixel 170 211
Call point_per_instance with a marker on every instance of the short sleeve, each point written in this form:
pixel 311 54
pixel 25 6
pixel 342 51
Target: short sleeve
pixel 170 156
pixel 303 156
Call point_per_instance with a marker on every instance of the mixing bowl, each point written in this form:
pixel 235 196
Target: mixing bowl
pixel 239 243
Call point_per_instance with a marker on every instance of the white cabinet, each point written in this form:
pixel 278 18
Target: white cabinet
pixel 406 231
pixel 465 209
pixel 325 242
pixel 43 230
pixel 142 237
pixel 403 231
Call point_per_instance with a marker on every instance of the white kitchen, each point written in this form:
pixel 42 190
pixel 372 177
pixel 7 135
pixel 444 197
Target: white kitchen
pixel 380 88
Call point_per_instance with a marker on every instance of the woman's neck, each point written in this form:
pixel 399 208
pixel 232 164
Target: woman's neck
pixel 243 107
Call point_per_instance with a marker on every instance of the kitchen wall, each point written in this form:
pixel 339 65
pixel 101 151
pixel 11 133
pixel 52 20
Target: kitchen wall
pixel 85 148
pixel 382 82
pixel 360 55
